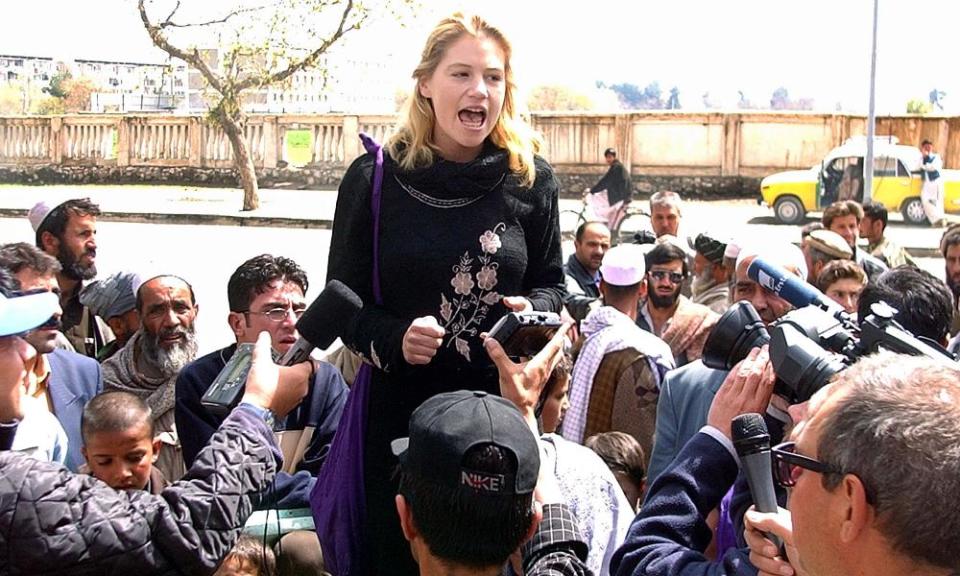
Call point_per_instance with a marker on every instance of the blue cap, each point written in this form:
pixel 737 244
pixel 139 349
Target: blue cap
pixel 22 313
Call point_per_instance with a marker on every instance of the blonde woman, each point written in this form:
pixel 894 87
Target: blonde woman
pixel 468 231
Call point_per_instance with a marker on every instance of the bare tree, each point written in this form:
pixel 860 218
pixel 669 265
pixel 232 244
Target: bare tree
pixel 261 45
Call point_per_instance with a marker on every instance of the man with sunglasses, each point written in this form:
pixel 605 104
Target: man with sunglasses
pixel 58 381
pixel 668 314
pixel 872 468
pixel 686 393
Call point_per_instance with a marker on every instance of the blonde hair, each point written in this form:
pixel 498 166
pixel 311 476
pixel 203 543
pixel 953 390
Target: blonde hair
pixel 413 146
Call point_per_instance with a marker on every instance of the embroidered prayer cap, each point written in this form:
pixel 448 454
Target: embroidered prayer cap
pixel 830 243
pixel 448 426
pixel 780 253
pixel 112 296
pixel 623 265
pixel 40 211
pixel 22 313
pixel 710 247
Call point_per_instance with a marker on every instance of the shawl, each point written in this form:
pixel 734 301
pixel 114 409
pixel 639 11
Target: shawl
pixel 608 330
pixel 120 373
pixel 688 329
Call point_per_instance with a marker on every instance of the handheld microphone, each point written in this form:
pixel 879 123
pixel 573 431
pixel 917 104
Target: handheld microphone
pixel 322 322
pixel 752 442
pixel 789 286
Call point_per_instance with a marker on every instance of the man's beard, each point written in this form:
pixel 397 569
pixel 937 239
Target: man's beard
pixel 702 282
pixel 954 287
pixel 662 302
pixel 169 361
pixel 72 268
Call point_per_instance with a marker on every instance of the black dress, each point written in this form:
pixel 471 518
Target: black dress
pixel 454 239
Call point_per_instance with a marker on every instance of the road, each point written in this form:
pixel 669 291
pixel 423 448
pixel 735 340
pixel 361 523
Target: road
pixel 206 255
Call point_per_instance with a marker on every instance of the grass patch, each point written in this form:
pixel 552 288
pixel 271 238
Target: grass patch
pixel 298 144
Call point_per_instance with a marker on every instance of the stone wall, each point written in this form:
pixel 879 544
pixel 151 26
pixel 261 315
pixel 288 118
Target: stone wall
pixel 310 177
pixel 328 175
pixel 695 187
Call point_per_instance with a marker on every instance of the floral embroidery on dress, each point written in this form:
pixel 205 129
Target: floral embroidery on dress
pixel 474 292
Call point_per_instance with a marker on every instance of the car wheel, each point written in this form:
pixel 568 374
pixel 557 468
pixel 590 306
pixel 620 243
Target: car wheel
pixel 912 211
pixel 789 210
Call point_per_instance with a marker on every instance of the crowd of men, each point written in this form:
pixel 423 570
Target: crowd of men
pixel 616 459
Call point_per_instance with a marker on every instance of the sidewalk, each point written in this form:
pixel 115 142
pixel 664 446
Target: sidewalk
pixel 314 209
pixel 184 205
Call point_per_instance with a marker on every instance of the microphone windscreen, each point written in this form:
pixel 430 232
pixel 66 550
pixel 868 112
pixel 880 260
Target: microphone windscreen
pixel 784 284
pixel 748 428
pixel 328 317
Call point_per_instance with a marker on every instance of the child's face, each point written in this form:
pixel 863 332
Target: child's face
pixel 555 405
pixel 122 459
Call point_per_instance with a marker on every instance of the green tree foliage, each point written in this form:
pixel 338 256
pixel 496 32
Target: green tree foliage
pixel 918 106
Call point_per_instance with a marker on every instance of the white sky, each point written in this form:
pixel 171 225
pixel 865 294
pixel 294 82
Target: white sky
pixel 815 48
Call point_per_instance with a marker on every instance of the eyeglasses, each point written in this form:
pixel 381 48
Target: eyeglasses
pixel 787 464
pixel 278 314
pixel 675 277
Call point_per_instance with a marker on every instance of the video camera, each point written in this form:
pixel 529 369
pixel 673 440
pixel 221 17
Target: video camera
pixel 811 344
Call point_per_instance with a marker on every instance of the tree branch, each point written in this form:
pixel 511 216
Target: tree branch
pixel 168 24
pixel 172 12
pixel 306 62
pixel 191 58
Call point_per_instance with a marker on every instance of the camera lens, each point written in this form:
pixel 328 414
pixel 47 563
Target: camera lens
pixel 738 331
pixel 802 367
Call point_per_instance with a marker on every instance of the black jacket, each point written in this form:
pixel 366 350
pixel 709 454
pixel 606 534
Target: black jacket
pixel 616 182
pixel 55 522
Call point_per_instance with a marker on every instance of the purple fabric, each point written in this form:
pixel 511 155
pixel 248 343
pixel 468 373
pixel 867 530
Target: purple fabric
pixel 338 499
pixel 726 534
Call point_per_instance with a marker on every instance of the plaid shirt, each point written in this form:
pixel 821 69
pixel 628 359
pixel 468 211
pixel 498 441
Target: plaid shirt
pixel 556 549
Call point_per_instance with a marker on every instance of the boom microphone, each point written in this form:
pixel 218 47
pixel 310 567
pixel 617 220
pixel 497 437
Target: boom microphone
pixel 752 442
pixel 788 286
pixel 322 322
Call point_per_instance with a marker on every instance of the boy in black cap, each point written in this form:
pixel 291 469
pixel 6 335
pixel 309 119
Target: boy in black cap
pixel 469 470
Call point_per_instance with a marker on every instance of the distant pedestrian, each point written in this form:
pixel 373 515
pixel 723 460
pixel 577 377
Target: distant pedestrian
pixel 931 195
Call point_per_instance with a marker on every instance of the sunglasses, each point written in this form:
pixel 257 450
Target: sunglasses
pixel 674 277
pixel 787 464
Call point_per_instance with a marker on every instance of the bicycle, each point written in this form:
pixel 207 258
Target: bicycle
pixel 638 218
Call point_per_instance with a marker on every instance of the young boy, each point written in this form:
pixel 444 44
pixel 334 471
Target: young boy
pixel 118 442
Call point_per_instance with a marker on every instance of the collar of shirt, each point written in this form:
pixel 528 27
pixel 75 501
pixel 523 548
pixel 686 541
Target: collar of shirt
pixel 37 379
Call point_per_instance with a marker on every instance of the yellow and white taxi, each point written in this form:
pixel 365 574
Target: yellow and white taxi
pixel 896 182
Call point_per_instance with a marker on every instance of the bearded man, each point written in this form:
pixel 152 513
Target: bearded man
pixel 68 232
pixel 148 364
pixel 682 324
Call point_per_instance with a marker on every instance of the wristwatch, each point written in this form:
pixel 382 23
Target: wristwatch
pixel 264 413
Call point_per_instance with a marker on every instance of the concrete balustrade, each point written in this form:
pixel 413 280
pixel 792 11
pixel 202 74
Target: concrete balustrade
pixel 686 151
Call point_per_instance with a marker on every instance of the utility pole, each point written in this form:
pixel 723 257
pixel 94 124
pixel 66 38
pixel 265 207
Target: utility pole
pixel 871 113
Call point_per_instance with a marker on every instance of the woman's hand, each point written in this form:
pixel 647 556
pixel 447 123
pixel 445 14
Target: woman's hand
pixel 517 304
pixel 422 340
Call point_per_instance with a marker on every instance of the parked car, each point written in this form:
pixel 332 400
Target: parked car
pixel 896 182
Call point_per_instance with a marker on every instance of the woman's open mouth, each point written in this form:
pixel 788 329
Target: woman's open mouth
pixel 473 118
